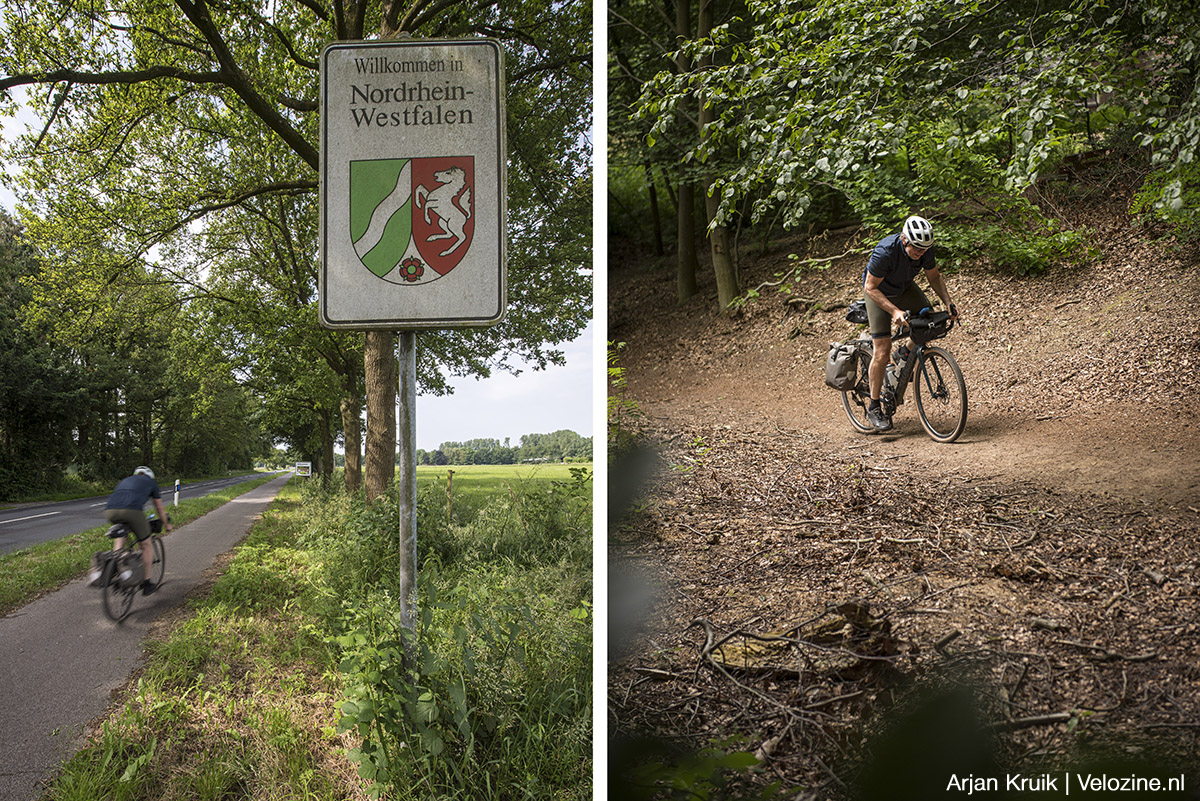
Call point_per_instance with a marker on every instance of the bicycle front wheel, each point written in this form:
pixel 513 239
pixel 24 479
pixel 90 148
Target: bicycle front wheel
pixel 855 400
pixel 941 395
pixel 159 566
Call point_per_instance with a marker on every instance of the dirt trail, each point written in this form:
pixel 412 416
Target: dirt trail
pixel 1081 381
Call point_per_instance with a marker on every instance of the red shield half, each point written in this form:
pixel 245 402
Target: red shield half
pixel 443 209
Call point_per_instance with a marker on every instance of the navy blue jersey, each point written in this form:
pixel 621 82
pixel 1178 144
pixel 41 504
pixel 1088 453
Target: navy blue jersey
pixel 891 263
pixel 132 493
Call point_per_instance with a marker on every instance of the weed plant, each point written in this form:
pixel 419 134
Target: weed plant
pixel 490 697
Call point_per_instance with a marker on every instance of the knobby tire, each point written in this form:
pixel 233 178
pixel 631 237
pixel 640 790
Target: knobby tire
pixel 941 395
pixel 855 400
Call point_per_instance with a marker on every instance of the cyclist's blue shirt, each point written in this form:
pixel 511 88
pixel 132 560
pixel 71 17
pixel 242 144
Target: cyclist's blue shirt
pixel 891 263
pixel 132 493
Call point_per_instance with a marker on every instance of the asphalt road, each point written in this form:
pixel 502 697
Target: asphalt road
pixel 61 658
pixel 30 524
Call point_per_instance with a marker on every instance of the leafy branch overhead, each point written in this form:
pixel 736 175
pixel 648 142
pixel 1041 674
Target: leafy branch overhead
pixel 178 143
pixel 928 103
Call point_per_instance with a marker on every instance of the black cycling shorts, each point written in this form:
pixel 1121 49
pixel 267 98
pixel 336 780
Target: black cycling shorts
pixel 879 322
pixel 134 518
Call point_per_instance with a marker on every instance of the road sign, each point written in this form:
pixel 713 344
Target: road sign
pixel 304 468
pixel 413 182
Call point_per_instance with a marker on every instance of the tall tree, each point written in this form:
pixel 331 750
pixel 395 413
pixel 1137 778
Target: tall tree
pixel 934 104
pixel 159 119
pixel 40 396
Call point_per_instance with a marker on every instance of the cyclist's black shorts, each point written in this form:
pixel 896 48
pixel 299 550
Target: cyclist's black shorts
pixel 134 518
pixel 879 322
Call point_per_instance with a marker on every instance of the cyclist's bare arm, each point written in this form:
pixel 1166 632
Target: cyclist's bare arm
pixel 938 284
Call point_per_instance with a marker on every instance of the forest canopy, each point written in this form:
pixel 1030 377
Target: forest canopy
pixel 795 114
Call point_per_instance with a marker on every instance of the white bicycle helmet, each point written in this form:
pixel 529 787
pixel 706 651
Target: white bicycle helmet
pixel 144 471
pixel 919 232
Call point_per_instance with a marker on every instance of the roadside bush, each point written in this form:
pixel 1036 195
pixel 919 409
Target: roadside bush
pixel 490 696
pixel 490 699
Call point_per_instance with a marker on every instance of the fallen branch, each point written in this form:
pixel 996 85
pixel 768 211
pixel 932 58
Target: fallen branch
pixel 1107 655
pixel 1030 722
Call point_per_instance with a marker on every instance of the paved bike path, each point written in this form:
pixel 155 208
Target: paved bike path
pixel 61 658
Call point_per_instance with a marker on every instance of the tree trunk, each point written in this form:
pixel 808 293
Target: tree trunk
pixel 686 264
pixel 723 267
pixel 718 236
pixel 379 362
pixel 352 430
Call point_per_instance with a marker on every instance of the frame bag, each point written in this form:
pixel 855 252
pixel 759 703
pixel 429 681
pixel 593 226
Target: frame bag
pixel 841 367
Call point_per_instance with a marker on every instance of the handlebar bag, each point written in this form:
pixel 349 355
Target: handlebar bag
pixel 933 326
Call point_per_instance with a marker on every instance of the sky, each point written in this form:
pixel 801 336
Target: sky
pixel 534 402
pixel 499 407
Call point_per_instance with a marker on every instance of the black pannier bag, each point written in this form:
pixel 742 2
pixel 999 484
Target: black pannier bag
pixel 841 367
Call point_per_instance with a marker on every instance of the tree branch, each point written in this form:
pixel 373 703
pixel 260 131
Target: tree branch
pixel 197 14
pixel 114 77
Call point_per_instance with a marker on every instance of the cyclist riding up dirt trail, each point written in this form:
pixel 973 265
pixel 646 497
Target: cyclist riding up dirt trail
pixel 891 291
pixel 125 506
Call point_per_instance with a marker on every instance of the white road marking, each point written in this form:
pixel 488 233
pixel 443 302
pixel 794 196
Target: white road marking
pixel 31 517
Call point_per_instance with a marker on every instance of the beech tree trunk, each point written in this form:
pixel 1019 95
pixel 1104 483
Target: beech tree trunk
pixel 379 364
pixel 352 430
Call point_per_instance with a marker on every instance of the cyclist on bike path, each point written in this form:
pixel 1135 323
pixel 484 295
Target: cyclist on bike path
pixel 891 291
pixel 125 506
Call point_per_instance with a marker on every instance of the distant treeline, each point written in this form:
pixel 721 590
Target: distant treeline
pixel 559 446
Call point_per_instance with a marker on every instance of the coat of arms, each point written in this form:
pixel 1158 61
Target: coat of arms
pixel 411 220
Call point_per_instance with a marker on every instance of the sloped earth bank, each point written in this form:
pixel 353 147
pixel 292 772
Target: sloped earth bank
pixel 793 581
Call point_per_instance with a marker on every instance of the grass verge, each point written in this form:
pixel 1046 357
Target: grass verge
pixel 236 700
pixel 31 572
pixel 292 679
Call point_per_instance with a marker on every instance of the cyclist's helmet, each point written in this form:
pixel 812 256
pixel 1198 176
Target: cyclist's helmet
pixel 918 231
pixel 144 471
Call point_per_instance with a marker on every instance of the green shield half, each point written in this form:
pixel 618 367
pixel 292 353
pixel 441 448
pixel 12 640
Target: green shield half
pixel 381 212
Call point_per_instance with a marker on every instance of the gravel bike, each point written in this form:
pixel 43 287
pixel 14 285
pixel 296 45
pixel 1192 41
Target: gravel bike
pixel 120 571
pixel 940 391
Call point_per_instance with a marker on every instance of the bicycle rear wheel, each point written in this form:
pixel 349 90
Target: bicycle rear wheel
pixel 941 395
pixel 159 566
pixel 117 595
pixel 856 400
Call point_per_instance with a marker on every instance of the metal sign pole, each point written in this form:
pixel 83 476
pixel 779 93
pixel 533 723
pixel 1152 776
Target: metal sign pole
pixel 406 480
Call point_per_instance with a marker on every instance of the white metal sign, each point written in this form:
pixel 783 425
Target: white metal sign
pixel 413 182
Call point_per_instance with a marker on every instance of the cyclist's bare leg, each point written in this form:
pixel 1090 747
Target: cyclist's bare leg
pixel 878 368
pixel 147 558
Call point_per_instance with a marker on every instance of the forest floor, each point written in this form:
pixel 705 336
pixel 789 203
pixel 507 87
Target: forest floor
pixel 790 583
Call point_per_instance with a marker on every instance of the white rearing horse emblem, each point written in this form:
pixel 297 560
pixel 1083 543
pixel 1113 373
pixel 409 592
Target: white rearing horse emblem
pixel 440 200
